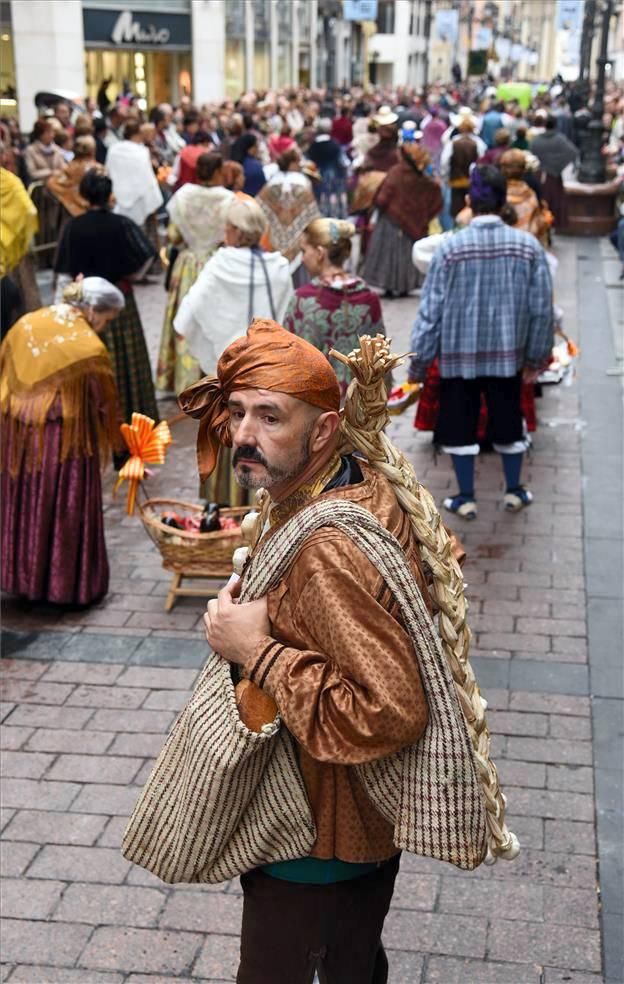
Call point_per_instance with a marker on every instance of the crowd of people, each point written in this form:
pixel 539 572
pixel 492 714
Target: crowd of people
pixel 275 224
pixel 293 206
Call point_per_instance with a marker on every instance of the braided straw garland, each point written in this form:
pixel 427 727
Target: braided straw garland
pixel 364 419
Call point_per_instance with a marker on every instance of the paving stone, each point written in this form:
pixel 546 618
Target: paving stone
pixel 553 804
pixel 147 746
pixel 545 944
pixel 96 768
pixel 524 700
pixel 514 723
pixel 90 864
pixel 570 835
pixel 41 827
pixel 113 833
pixel 415 892
pixel 167 700
pixel 93 673
pixel 40 716
pixel 24 765
pixel 23 669
pixel 552 626
pixel 52 943
pixel 431 932
pixel 570 778
pixel 5 971
pixel 218 959
pixel 105 648
pixel 27 898
pixel 203 912
pixel 27 793
pixel 514 773
pixel 13 737
pixel 534 609
pixel 405 967
pixel 158 979
pixel 34 691
pixel 63 740
pixel 571 646
pixel 571 907
pixel 131 721
pixel 552 975
pixel 528 830
pixel 554 750
pixel 113 696
pixel 173 653
pixel 559 868
pixel 6 815
pixel 576 728
pixel 548 675
pixel 106 618
pixel 157 678
pixel 141 950
pixel 15 858
pixel 491 899
pixel 60 975
pixel 106 799
pixel 116 905
pixel 447 970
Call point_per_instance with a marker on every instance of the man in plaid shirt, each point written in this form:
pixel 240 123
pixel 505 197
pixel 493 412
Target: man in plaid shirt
pixel 487 313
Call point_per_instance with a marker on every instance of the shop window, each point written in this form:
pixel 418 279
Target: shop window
pixel 234 67
pixel 262 20
pixel 8 96
pixel 262 65
pixel 235 19
pixel 385 17
pixel 284 47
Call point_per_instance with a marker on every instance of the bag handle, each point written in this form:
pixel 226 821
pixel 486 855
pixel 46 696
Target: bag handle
pixel 255 251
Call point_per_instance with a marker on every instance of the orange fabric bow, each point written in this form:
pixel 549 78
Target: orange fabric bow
pixel 147 443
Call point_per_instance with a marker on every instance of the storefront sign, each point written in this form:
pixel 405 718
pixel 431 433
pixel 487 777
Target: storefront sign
pixel 447 25
pixel 135 29
pixel 360 10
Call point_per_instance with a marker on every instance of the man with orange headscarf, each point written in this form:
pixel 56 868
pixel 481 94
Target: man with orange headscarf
pixel 326 644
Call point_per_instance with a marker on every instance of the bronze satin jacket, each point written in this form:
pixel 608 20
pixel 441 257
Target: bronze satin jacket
pixel 343 672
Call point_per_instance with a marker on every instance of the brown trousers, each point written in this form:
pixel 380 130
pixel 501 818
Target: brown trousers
pixel 292 930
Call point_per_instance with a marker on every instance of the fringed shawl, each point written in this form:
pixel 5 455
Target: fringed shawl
pixel 53 354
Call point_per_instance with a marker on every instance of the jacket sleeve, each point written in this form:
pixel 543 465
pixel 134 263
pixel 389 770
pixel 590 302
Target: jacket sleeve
pixel 425 338
pixel 355 695
pixel 540 334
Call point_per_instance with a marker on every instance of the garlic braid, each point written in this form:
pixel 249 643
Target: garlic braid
pixel 364 419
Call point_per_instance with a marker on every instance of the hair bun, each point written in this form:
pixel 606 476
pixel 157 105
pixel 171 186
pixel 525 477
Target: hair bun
pixel 347 229
pixel 73 293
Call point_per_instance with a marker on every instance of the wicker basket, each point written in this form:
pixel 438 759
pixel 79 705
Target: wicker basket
pixel 188 553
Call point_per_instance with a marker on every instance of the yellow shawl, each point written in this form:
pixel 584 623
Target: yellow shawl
pixel 18 221
pixel 48 354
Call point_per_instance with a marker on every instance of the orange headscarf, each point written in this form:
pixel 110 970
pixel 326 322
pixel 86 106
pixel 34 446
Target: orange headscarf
pixel 267 357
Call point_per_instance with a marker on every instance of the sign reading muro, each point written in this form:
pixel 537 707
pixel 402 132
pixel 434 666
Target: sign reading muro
pixel 104 28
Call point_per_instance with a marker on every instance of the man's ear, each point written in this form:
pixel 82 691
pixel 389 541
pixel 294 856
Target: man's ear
pixel 324 430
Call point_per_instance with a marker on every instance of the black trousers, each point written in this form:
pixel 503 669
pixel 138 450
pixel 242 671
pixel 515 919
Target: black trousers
pixel 292 930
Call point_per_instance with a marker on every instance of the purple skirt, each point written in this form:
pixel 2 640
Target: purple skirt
pixel 52 527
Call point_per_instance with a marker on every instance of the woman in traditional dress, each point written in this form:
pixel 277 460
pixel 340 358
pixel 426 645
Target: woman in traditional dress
pixel 196 228
pixel 407 201
pixel 65 185
pixel 289 205
pixel 102 244
pixel 137 192
pixel 18 224
pixel 58 418
pixel 238 283
pixel 336 307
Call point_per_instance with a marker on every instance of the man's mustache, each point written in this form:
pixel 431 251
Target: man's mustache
pixel 249 454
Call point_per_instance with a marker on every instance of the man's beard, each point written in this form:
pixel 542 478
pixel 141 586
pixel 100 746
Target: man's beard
pixel 247 478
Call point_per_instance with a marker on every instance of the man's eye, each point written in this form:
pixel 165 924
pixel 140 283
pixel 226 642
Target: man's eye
pixel 270 420
pixel 237 414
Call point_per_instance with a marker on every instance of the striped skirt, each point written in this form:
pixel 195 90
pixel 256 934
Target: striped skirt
pixel 126 346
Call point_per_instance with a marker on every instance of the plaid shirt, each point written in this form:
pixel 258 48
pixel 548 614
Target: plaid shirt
pixel 486 306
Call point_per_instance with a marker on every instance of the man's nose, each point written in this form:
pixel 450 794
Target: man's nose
pixel 245 433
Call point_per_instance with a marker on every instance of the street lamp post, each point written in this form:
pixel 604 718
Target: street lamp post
pixel 592 169
pixel 427 33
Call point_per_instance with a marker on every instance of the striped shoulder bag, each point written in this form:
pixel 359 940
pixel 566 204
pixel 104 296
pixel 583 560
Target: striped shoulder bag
pixel 222 800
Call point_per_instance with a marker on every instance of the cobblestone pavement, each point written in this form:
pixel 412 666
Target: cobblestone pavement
pixel 88 697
